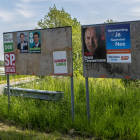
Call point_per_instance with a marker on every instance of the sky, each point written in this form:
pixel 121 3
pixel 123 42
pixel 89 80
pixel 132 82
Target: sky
pixel 18 15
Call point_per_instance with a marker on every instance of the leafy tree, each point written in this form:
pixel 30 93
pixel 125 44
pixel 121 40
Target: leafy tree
pixel 60 18
pixel 110 21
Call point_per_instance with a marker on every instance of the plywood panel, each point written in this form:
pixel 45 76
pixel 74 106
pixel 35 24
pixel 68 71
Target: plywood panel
pixel 117 70
pixel 55 39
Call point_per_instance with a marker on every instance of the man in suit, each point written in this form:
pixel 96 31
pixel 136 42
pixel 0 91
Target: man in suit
pixel 23 45
pixel 36 40
pixel 91 41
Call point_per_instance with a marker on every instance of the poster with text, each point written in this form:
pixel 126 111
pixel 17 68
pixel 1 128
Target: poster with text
pixel 94 44
pixel 22 42
pixel 35 42
pixel 10 66
pixel 60 63
pixel 8 42
pixel 118 43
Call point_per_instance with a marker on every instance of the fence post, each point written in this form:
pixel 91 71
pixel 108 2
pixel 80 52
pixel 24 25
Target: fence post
pixel 87 99
pixel 8 87
pixel 72 98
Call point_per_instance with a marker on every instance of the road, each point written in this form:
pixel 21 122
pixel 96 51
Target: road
pixel 14 83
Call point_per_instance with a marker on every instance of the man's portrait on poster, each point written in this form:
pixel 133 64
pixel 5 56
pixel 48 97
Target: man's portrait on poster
pixel 36 40
pixel 23 44
pixel 94 44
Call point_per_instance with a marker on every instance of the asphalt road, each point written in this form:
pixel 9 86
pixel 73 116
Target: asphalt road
pixel 14 83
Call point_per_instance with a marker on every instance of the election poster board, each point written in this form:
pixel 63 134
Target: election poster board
pixel 121 50
pixel 34 52
pixel 118 43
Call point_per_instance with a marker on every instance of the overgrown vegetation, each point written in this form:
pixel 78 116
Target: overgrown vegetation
pixel 3 78
pixel 1 63
pixel 114 108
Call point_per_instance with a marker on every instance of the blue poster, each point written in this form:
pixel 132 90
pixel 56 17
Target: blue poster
pixel 118 36
pixel 35 42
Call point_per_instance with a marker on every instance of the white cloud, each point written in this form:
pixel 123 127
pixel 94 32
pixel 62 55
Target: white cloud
pixel 134 11
pixel 93 12
pixel 6 15
pixel 24 10
pixel 129 1
pixel 25 26
pixel 25 13
pixel 26 1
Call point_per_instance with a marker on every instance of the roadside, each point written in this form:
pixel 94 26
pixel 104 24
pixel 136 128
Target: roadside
pixel 11 132
pixel 16 81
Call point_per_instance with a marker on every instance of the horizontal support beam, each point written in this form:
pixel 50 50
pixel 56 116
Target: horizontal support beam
pixel 37 94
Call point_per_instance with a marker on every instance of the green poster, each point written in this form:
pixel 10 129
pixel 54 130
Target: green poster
pixel 8 47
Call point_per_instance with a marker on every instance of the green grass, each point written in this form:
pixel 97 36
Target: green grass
pixel 114 108
pixel 14 133
pixel 3 78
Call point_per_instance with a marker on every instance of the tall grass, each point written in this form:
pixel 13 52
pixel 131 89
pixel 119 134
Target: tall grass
pixel 3 78
pixel 114 108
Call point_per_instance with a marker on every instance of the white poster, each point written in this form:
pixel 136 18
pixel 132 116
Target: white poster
pixel 60 62
pixel 8 38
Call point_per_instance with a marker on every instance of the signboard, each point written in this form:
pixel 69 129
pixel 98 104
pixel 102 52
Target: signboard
pixel 36 50
pixel 10 63
pixel 119 53
pixel 118 43
pixel 60 62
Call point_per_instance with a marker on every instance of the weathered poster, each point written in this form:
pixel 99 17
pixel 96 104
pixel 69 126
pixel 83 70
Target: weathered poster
pixel 35 42
pixel 60 63
pixel 22 42
pixel 118 43
pixel 94 44
pixel 8 42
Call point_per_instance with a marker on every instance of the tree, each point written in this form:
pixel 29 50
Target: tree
pixel 60 18
pixel 110 21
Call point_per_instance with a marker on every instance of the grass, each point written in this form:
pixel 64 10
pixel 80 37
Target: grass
pixel 3 78
pixel 8 132
pixel 114 108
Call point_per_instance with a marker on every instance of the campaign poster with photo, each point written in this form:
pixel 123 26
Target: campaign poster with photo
pixel 60 63
pixel 94 44
pixel 22 42
pixel 35 42
pixel 8 42
pixel 118 43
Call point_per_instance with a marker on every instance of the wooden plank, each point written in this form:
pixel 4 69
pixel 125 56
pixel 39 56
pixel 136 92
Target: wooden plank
pixel 117 70
pixel 54 39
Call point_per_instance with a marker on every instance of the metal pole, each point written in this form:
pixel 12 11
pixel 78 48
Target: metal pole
pixel 8 87
pixel 72 98
pixel 87 99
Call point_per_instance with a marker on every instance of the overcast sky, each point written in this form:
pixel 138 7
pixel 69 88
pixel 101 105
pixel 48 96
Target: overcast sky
pixel 18 15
